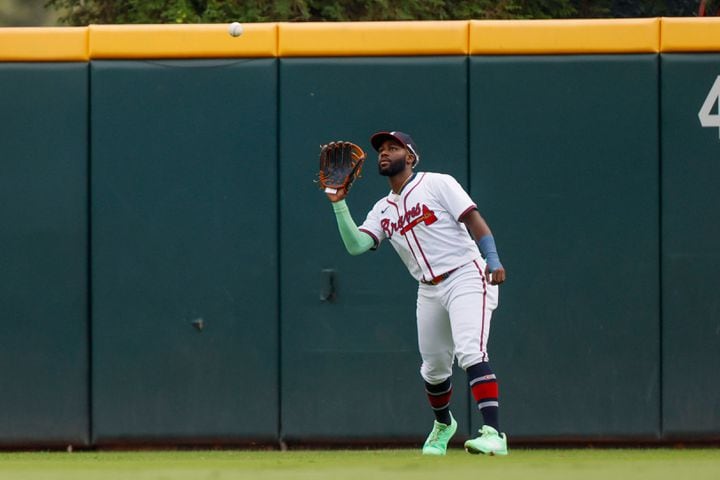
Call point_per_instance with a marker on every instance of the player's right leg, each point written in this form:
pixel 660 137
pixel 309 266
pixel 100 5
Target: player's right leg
pixel 437 441
pixel 437 352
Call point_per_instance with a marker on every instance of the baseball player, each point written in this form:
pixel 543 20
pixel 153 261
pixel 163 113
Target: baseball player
pixel 449 249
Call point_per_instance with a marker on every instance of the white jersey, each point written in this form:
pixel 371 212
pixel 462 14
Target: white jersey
pixel 423 225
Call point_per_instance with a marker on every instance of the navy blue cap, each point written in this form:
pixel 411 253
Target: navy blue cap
pixel 402 138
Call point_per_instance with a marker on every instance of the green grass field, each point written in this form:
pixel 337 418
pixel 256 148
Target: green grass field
pixel 621 464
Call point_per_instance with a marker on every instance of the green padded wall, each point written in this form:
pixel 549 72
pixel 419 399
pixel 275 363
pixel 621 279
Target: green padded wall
pixel 43 261
pixel 564 165
pixel 691 251
pixel 211 247
pixel 184 251
pixel 350 367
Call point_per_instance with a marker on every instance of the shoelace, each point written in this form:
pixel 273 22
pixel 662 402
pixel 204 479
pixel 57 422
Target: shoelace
pixel 436 433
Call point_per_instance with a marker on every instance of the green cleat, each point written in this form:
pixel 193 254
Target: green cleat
pixel 437 441
pixel 490 442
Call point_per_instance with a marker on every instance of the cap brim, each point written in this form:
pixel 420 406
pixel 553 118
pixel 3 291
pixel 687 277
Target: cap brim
pixel 377 139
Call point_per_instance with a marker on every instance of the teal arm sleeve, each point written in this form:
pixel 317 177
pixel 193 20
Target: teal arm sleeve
pixel 356 242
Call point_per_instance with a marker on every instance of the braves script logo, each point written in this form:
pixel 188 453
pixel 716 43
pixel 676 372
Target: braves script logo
pixel 407 222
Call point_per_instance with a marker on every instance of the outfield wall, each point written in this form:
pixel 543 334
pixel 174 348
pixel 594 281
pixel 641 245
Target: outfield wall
pixel 174 276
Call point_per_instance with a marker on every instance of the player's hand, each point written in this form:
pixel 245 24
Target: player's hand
pixel 336 197
pixel 496 277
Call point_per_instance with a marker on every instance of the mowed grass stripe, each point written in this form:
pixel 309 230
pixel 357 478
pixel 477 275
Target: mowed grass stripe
pixel 525 464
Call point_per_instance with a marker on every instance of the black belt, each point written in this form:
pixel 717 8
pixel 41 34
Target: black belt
pixel 439 278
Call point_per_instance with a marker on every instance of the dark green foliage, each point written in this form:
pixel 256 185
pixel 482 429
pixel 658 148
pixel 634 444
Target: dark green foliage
pixel 84 12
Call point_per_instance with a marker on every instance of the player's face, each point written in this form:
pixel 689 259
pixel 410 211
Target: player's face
pixel 393 158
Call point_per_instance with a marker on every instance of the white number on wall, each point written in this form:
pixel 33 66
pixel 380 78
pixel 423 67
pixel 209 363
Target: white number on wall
pixel 707 118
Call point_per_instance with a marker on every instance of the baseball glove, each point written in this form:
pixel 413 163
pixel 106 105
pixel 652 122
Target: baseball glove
pixel 340 164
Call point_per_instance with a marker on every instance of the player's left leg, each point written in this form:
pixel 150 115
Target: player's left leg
pixel 471 301
pixel 484 387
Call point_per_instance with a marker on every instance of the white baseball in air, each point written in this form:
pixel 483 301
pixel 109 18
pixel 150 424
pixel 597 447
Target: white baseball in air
pixel 235 29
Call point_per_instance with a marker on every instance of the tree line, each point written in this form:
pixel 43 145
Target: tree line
pixel 85 12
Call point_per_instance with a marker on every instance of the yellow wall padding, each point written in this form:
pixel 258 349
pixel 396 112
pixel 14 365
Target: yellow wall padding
pixel 346 39
pixel 697 34
pixel 32 44
pixel 182 41
pixel 372 38
pixel 508 37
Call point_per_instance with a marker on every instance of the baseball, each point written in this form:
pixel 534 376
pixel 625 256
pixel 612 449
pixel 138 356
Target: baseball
pixel 235 29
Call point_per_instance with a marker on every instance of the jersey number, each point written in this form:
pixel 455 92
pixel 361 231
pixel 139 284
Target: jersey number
pixel 706 115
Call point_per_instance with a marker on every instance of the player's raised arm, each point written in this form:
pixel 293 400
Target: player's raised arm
pixel 355 240
pixel 340 165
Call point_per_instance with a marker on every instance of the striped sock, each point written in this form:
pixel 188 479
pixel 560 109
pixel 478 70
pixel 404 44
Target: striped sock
pixel 484 387
pixel 439 396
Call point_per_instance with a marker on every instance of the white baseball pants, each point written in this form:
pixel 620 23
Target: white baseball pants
pixel 453 321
